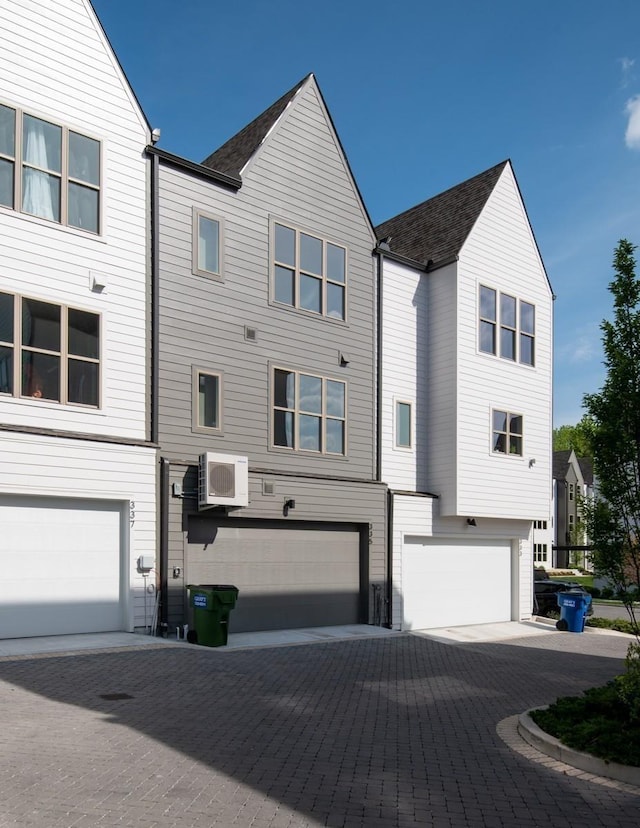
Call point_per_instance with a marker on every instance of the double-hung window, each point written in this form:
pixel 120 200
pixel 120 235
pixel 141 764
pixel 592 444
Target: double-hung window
pixel 49 171
pixel 309 272
pixel 49 351
pixel 309 412
pixel 207 245
pixel 506 433
pixel 506 326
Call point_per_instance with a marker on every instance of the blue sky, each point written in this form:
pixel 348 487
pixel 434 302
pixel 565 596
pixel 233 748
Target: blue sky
pixel 425 94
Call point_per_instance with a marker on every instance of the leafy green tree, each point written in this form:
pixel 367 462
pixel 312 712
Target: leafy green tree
pixel 577 437
pixel 613 517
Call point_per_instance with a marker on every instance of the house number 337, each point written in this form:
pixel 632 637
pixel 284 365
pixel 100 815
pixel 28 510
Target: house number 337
pixel 132 512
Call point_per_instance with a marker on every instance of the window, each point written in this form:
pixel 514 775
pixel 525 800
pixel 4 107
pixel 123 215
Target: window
pixel 570 491
pixel 403 425
pixel 540 524
pixel 309 273
pixel 49 171
pixel 49 351
pixel 309 412
pixel 510 333
pixel 487 320
pixel 207 244
pixel 540 552
pixel 507 433
pixel 207 400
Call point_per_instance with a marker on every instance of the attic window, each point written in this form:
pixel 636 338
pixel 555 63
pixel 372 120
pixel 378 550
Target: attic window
pixel 506 326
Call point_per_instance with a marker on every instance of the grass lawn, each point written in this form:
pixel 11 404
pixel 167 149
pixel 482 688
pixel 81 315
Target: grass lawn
pixel 583 580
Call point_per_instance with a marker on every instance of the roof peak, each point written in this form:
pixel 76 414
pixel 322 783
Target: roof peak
pixel 234 154
pixel 436 229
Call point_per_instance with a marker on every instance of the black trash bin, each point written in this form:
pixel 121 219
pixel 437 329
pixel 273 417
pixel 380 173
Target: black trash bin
pixel 211 605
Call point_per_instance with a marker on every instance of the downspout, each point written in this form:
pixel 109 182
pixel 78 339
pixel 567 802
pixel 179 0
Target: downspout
pixel 389 596
pixel 163 499
pixel 164 546
pixel 155 295
pixel 379 369
pixel 389 550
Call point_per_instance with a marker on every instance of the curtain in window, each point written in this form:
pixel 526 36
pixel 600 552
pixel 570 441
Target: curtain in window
pixel 39 189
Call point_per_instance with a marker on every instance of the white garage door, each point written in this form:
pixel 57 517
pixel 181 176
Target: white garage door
pixel 454 582
pixel 59 566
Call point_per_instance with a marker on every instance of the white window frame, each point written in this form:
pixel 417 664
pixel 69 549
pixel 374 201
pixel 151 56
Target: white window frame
pixel 540 552
pixel 296 410
pixel 396 421
pixel 298 272
pixel 64 356
pixel 196 426
pixel 64 177
pixel 508 434
pixel 195 245
pixel 499 325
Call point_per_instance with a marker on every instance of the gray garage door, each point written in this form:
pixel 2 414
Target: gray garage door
pixel 288 577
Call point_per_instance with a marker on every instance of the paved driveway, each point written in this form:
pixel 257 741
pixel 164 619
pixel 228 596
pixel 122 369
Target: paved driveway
pixel 395 731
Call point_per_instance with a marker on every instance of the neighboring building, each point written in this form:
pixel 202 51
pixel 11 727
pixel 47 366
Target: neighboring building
pixel 466 395
pixel 572 485
pixel 266 318
pixel 77 472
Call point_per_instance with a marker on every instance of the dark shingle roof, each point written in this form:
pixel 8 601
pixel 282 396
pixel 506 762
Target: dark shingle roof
pixel 586 467
pixel 561 464
pixel 231 157
pixel 436 229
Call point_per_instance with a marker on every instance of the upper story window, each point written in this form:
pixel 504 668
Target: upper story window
pixel 309 273
pixel 403 424
pixel 207 401
pixel 540 524
pixel 207 245
pixel 49 171
pixel 506 326
pixel 506 433
pixel 309 412
pixel 49 351
pixel 571 491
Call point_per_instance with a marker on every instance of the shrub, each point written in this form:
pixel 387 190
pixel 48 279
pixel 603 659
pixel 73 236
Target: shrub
pixel 619 624
pixel 597 722
pixel 628 684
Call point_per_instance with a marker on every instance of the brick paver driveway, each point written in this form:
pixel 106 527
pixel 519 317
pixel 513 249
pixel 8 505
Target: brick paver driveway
pixel 395 731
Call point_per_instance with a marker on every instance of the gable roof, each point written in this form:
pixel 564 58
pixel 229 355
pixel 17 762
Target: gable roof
pixel 586 467
pixel 232 156
pixel 436 230
pixel 561 463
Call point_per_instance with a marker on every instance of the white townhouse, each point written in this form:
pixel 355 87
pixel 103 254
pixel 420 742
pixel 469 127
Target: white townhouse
pixel 466 375
pixel 77 467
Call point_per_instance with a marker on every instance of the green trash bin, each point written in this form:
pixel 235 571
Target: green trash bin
pixel 211 605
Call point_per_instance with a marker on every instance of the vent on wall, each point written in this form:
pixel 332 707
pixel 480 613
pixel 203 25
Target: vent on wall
pixel 223 480
pixel 250 333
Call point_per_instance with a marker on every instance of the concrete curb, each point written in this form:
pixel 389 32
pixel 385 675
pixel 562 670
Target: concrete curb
pixel 553 747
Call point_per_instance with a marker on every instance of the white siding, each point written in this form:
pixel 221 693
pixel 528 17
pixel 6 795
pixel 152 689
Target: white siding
pixel 56 64
pixel 442 384
pixel 501 253
pixel 44 466
pixel 420 516
pixel 403 344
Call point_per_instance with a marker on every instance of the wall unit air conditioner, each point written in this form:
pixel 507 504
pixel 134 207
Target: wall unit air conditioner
pixel 223 480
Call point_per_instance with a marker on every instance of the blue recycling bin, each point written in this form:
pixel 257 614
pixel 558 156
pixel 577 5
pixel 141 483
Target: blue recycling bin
pixel 574 605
